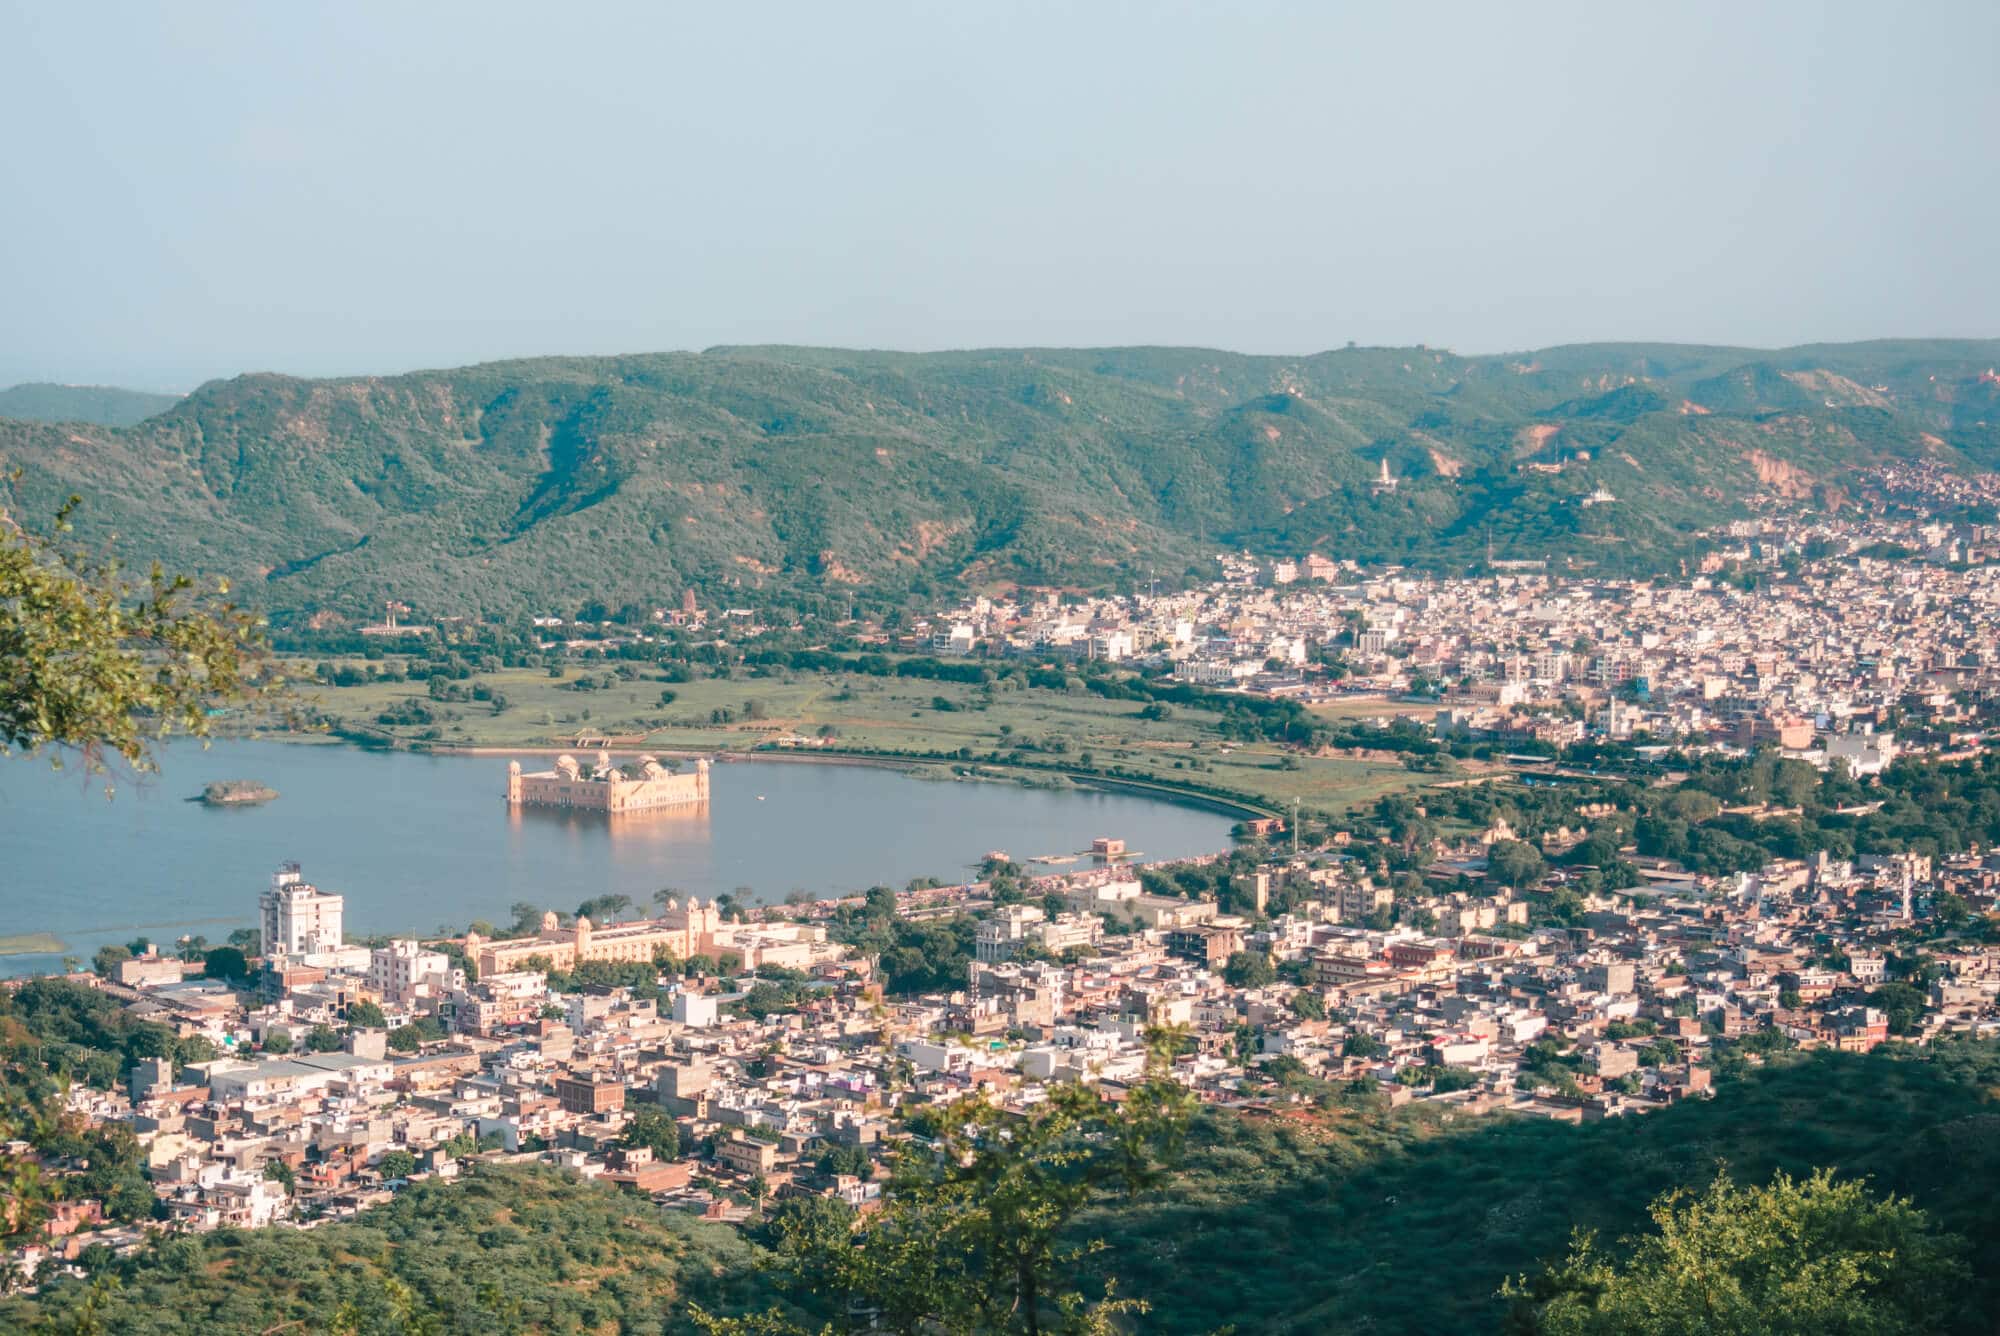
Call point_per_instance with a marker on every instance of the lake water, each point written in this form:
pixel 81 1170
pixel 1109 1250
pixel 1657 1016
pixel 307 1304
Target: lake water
pixel 419 842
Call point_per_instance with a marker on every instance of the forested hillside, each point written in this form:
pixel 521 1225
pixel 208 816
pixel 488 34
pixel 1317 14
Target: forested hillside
pixel 105 405
pixel 820 478
pixel 1409 1223
pixel 509 1250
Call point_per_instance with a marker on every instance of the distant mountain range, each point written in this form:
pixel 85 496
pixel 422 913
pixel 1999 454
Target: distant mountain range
pixel 103 405
pixel 819 477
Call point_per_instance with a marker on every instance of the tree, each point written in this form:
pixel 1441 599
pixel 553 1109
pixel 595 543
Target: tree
pixel 277 1171
pixel 406 1039
pixel 1514 863
pixel 367 1014
pixel 653 1129
pixel 1662 1052
pixel 1249 969
pixel 1795 783
pixel 278 1042
pixel 396 1164
pixel 108 959
pixel 1903 1006
pixel 1814 1255
pixel 225 962
pixel 322 1039
pixel 603 908
pixel 973 1233
pixel 95 665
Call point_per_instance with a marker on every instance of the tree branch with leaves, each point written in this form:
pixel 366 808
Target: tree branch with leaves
pixel 97 665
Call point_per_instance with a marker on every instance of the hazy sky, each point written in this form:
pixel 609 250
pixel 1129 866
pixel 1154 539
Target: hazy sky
pixel 196 189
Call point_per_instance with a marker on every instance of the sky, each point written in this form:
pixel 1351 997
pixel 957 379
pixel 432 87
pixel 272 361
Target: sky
pixel 195 190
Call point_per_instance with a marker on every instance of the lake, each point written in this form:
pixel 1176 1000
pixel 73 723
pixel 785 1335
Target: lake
pixel 419 842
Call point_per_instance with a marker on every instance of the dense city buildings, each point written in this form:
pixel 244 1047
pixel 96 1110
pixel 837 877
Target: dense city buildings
pixel 1523 930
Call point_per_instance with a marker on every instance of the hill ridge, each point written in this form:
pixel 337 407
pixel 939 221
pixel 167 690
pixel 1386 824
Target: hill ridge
pixel 816 477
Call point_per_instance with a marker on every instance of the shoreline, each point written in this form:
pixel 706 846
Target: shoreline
pixel 1160 790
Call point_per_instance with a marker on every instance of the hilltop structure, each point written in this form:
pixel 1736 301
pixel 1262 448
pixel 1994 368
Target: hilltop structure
pixel 607 788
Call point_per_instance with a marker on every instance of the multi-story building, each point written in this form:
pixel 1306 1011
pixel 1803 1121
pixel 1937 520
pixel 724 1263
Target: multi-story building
pixel 405 975
pixel 680 931
pixel 588 1094
pixel 1207 944
pixel 747 1156
pixel 999 936
pixel 1354 901
pixel 1068 932
pixel 296 918
pixel 500 1000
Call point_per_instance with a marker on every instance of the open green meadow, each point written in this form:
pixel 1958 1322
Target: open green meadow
pixel 851 711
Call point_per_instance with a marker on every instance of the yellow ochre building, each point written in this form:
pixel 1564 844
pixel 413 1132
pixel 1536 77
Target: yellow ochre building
pixel 644 786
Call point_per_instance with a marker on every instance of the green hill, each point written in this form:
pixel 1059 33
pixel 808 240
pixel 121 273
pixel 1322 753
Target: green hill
pixel 104 405
pixel 509 1250
pixel 1407 1223
pixel 820 477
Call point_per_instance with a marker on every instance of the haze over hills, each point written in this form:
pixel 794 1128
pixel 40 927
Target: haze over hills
pixel 821 477
pixel 104 405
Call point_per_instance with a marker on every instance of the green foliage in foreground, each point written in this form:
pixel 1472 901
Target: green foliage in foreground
pixel 1350 1217
pixel 509 1250
pixel 94 664
pixel 1362 1219
pixel 973 1233
pixel 1817 1257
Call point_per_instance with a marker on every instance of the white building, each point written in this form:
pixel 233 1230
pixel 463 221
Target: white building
pixel 1000 934
pixel 407 976
pixel 1865 753
pixel 296 918
pixel 695 1009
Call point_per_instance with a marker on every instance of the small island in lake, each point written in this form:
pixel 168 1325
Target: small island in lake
pixel 235 793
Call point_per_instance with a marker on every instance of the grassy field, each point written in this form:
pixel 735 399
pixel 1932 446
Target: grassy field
pixel 30 944
pixel 873 713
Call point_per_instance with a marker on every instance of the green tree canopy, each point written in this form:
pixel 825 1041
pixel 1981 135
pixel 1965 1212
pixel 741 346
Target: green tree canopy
pixel 1249 969
pixel 1515 863
pixel 368 1014
pixel 225 962
pixel 93 664
pixel 972 1233
pixel 1811 1257
pixel 653 1128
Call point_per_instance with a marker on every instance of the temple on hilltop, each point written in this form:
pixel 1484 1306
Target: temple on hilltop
pixel 644 786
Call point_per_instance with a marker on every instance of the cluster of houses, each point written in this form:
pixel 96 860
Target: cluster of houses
pixel 345 1069
pixel 1833 637
pixel 1463 997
